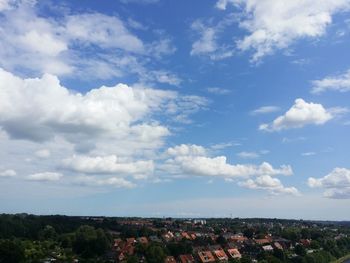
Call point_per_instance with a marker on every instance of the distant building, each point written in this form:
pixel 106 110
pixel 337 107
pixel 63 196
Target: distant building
pixel 234 253
pixel 267 248
pixel 206 256
pixel 169 259
pixel 220 255
pixel 188 258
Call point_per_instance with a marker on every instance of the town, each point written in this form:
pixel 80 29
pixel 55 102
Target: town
pixel 171 240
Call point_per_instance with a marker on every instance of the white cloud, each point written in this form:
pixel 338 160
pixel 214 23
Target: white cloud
pixel 41 109
pixel 218 91
pixel 115 130
pixel 265 109
pixel 274 24
pixel 162 47
pixel 5 5
pixel 218 166
pixel 248 155
pixel 45 176
pixel 8 173
pixel 339 83
pixel 222 4
pixel 162 76
pixel 66 39
pixel 272 185
pixel 336 183
pixel 193 160
pixel 187 150
pixel 300 114
pixel 104 31
pixel 109 165
pixel 114 182
pixel 220 146
pixel 308 154
pixel 43 153
pixel 207 43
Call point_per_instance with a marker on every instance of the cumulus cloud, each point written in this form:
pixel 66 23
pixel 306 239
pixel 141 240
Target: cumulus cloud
pixel 5 5
pixel 45 176
pixel 117 130
pixel 40 109
pixel 115 182
pixel 66 39
pixel 336 183
pixel 302 113
pixel 339 83
pixel 8 173
pixel 43 153
pixel 274 24
pixel 109 165
pixel 265 109
pixel 194 160
pixel 187 150
pixel 272 185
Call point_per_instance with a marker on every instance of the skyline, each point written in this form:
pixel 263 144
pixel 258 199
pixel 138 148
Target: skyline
pixel 171 108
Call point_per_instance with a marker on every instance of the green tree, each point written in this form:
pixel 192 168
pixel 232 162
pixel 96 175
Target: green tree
pixel 11 252
pixel 155 254
pixel 300 250
pixel 90 242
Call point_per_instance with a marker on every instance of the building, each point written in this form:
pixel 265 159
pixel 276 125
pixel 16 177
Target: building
pixel 267 248
pixel 220 255
pixel 206 256
pixel 234 253
pixel 188 258
pixel 169 259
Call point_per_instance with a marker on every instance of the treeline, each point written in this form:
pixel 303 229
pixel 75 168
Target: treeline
pixel 28 238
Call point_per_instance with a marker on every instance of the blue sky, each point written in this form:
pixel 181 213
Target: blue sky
pixel 175 108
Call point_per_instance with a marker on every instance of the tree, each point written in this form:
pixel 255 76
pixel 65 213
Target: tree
pixel 47 233
pixel 90 242
pixel 11 252
pixel 155 254
pixel 300 250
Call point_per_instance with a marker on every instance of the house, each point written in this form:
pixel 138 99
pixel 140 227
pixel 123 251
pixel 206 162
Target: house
pixel 206 256
pixel 267 248
pixel 131 241
pixel 185 235
pixel 117 244
pixel 239 238
pixel 188 258
pixel 278 245
pixel 285 243
pixel 234 253
pixel 168 236
pixel 305 242
pixel 220 255
pixel 169 259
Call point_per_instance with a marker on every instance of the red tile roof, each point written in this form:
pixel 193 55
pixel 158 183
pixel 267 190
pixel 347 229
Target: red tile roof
pixel 206 256
pixel 188 258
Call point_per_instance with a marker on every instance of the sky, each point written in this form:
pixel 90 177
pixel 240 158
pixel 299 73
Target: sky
pixel 201 108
